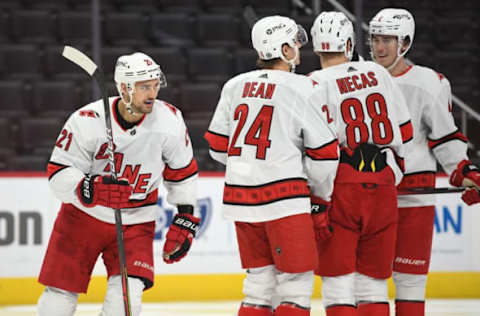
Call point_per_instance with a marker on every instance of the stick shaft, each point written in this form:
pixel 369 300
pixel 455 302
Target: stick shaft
pixel 82 60
pixel 413 191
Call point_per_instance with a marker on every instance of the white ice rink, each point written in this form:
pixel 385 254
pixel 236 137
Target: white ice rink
pixel 434 308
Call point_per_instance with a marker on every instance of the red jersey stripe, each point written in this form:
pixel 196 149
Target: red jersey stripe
pixel 177 175
pixel 53 168
pixel 418 180
pixel 325 152
pixel 265 193
pixel 217 142
pixel 432 143
pixel 407 131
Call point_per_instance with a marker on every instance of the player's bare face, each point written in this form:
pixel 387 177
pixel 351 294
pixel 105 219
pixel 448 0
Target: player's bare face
pixel 144 95
pixel 385 48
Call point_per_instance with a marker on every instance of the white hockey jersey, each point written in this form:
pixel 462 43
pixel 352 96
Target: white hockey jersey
pixel 436 137
pixel 157 148
pixel 272 140
pixel 366 106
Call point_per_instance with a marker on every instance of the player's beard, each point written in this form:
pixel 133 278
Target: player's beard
pixel 143 108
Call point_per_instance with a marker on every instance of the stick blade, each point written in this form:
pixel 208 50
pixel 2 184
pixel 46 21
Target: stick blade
pixel 79 58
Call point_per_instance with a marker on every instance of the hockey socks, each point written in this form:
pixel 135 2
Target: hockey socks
pixel 291 309
pixel 409 308
pixel 247 309
pixel 374 309
pixel 342 310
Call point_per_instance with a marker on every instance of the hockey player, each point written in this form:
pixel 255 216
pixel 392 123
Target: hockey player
pixel 372 124
pixel 281 158
pixel 151 145
pixel 436 138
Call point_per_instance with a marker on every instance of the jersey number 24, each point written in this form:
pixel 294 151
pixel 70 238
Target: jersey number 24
pixel 257 134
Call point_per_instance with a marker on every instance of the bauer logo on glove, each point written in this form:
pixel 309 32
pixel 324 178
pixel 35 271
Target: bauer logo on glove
pixel 104 190
pixel 180 236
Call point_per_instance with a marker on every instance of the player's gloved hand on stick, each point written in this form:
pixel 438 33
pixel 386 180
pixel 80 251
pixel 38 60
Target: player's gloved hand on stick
pixel 471 196
pixel 104 190
pixel 180 235
pixel 466 175
pixel 319 213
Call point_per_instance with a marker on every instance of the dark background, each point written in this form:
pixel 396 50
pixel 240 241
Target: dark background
pixel 199 44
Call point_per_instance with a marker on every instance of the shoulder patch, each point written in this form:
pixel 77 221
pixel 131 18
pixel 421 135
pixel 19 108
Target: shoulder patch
pixel 88 113
pixel 440 76
pixel 171 107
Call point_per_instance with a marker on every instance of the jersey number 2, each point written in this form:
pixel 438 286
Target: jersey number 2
pixel 356 122
pixel 258 133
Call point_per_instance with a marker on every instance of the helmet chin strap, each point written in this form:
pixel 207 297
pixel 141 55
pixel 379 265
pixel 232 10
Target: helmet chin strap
pixel 394 63
pixel 128 105
pixel 399 55
pixel 291 62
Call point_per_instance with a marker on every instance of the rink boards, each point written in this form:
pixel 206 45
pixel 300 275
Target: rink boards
pixel 212 269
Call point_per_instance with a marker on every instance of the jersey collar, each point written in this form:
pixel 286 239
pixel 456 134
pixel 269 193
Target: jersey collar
pixel 117 119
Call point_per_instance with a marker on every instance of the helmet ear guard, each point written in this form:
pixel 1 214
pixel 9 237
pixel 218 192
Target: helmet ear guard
pixel 331 32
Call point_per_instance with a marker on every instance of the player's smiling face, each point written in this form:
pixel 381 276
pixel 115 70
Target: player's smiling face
pixel 385 48
pixel 144 95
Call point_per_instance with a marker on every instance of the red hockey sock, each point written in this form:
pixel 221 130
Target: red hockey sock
pixel 373 309
pixel 409 308
pixel 342 310
pixel 255 310
pixel 291 309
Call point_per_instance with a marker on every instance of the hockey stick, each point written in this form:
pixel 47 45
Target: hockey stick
pixel 409 191
pixel 467 183
pixel 79 58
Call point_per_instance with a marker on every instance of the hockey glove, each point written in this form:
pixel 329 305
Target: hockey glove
pixel 471 196
pixel 466 175
pixel 103 190
pixel 319 213
pixel 180 236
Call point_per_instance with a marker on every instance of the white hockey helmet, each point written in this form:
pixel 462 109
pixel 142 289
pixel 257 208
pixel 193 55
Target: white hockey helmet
pixel 394 22
pixel 133 68
pixel 331 32
pixel 271 32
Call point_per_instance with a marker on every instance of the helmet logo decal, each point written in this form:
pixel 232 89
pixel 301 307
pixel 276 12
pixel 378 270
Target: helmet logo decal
pixel 148 62
pixel 121 63
pixel 275 28
pixel 325 45
pixel 401 16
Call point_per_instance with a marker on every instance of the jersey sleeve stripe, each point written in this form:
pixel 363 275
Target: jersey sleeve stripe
pixel 407 131
pixel 53 168
pixel 266 193
pixel 326 152
pixel 217 142
pixel 457 135
pixel 177 175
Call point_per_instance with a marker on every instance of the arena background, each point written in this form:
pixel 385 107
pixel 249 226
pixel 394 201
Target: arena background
pixel 199 44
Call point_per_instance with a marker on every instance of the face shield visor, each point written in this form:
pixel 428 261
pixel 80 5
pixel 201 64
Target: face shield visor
pixel 301 38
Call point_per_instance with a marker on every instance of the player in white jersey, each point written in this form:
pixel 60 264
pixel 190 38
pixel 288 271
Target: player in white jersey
pixel 372 123
pixel 281 158
pixel 436 138
pixel 151 146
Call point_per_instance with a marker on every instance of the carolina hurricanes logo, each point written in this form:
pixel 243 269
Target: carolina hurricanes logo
pixel 148 62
